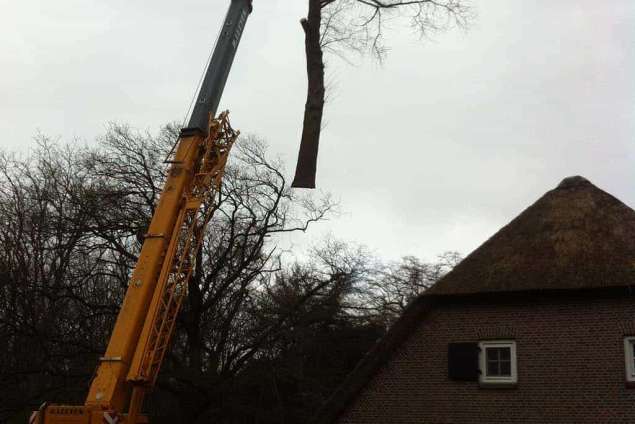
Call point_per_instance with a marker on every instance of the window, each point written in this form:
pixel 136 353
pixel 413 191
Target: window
pixel 629 354
pixel 497 361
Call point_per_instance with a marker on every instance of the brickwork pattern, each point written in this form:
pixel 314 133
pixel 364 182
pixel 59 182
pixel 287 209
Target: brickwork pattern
pixel 570 366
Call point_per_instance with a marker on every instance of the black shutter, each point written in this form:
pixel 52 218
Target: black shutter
pixel 463 361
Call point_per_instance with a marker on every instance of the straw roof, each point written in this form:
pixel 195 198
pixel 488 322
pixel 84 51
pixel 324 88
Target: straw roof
pixel 575 237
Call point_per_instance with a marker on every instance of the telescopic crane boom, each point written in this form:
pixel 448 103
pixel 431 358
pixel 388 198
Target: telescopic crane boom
pixel 144 326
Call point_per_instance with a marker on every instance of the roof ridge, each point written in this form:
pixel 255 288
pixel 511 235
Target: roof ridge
pixel 573 182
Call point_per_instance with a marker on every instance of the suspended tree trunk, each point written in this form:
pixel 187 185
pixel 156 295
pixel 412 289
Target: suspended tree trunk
pixel 356 26
pixel 307 156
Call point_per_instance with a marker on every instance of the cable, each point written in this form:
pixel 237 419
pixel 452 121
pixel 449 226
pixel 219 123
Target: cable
pixel 196 90
pixel 200 80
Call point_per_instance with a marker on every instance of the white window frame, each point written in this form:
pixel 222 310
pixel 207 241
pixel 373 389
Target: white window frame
pixel 629 342
pixel 484 378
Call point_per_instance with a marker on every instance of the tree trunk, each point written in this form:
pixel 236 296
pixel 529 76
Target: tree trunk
pixel 192 321
pixel 307 157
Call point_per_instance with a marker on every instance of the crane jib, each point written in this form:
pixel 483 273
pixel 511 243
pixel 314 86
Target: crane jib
pixel 141 335
pixel 219 66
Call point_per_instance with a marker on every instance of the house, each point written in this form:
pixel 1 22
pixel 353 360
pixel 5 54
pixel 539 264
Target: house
pixel 537 325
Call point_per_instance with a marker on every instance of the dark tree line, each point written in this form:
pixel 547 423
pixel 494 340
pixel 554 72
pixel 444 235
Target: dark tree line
pixel 262 338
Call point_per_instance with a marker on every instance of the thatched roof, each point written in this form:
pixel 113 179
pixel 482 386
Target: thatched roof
pixel 575 237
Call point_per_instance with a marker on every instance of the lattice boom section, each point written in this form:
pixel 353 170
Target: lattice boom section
pixel 180 260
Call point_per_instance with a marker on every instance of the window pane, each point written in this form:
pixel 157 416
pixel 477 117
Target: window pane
pixel 492 368
pixel 505 353
pixel 506 368
pixel 492 353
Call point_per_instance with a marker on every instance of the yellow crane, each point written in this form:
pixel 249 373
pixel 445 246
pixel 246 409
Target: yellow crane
pixel 158 285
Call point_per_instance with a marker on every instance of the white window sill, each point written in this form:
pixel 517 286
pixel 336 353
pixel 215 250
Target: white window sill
pixel 498 384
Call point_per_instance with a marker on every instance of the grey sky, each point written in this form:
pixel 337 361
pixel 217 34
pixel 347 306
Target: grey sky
pixel 434 150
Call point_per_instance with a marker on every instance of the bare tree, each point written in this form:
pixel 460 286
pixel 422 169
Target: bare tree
pixel 258 337
pixel 395 284
pixel 297 340
pixel 56 295
pixel 345 26
pixel 220 332
pixel 73 224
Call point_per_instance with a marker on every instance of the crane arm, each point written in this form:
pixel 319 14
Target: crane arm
pixel 158 284
pixel 222 59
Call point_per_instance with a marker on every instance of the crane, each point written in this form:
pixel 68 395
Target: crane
pixel 158 284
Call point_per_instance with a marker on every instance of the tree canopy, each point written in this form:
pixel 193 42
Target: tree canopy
pixel 262 337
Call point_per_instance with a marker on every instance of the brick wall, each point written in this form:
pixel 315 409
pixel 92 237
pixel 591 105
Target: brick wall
pixel 570 364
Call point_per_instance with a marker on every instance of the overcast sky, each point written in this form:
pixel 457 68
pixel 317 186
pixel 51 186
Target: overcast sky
pixel 434 150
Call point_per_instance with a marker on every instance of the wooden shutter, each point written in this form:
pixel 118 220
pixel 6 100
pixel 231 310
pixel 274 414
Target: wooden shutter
pixel 463 361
